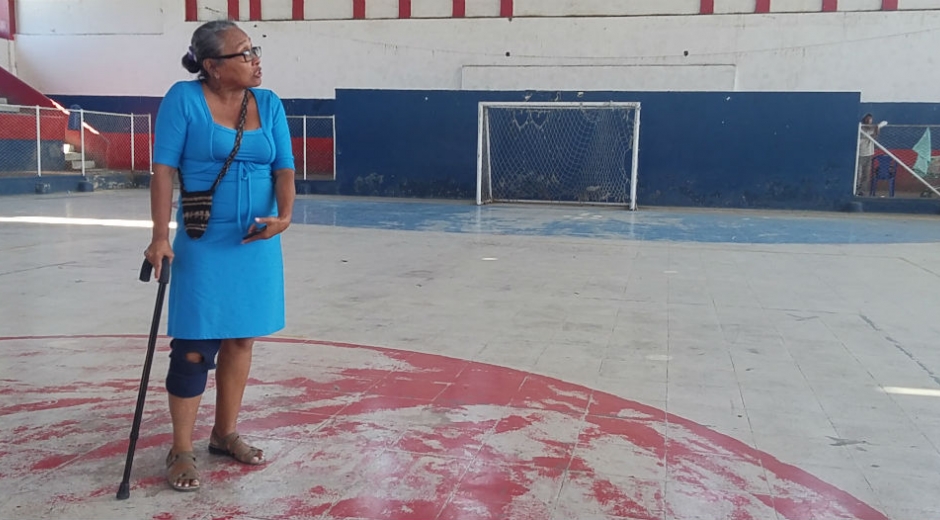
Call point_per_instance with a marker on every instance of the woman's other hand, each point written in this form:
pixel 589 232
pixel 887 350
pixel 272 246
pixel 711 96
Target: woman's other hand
pixel 265 228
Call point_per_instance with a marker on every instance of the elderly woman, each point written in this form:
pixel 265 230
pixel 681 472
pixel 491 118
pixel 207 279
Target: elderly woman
pixel 228 143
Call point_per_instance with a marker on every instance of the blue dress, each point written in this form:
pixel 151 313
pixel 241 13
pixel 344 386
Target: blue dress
pixel 219 287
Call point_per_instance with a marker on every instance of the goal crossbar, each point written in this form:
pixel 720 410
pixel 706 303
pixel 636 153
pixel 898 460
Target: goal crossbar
pixel 559 104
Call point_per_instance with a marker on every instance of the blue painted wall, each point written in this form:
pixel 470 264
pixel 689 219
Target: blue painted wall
pixel 757 150
pixel 902 113
pixel 150 105
pixel 114 104
pixel 27 185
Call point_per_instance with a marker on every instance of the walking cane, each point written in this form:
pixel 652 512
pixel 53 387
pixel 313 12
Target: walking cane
pixel 124 491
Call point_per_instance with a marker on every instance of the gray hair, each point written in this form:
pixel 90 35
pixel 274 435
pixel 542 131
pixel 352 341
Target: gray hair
pixel 206 43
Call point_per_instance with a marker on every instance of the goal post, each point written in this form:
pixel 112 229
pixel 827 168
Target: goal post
pixel 558 152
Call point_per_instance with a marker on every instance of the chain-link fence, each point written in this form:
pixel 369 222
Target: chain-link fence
pixel 114 142
pixel 898 161
pixel 48 141
pixel 312 139
pixel 32 140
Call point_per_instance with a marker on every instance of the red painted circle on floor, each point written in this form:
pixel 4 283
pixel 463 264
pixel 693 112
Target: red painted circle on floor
pixel 362 432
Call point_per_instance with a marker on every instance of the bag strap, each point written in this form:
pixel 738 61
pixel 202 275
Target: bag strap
pixel 238 143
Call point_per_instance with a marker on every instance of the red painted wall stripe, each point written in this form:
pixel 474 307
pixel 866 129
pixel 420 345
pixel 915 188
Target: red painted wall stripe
pixel 297 12
pixel 359 9
pixel 889 5
pixel 404 8
pixel 830 5
pixel 17 91
pixel 460 8
pixel 7 19
pixel 254 10
pixel 12 22
pixel 763 6
pixel 233 9
pixel 192 10
pixel 505 8
pixel 708 7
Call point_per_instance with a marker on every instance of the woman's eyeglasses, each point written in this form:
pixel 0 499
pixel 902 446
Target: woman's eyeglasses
pixel 249 55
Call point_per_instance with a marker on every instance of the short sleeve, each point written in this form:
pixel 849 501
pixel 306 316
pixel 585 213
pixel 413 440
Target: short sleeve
pixel 170 128
pixel 284 153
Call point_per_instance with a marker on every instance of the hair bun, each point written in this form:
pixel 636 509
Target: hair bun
pixel 190 63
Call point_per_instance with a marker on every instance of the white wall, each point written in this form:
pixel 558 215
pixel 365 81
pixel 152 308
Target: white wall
pixel 639 78
pixel 102 47
pixel 6 51
pixel 91 17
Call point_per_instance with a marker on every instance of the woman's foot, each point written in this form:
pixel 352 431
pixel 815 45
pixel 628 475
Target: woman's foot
pixel 181 472
pixel 233 446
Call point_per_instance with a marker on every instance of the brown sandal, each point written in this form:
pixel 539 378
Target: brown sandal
pixel 233 446
pixel 181 466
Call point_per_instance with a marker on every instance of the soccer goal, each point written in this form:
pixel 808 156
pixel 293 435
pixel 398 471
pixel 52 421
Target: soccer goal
pixel 561 153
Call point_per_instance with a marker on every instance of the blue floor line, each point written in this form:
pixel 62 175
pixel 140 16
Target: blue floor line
pixel 711 226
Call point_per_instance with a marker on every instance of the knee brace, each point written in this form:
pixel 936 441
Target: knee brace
pixel 187 378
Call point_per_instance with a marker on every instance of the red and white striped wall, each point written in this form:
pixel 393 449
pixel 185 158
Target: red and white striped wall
pixel 370 9
pixel 344 9
pixel 812 6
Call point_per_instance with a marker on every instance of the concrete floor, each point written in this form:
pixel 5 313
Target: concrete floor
pixel 443 361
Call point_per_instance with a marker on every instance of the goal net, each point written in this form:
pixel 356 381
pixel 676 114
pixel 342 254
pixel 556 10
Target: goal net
pixel 563 153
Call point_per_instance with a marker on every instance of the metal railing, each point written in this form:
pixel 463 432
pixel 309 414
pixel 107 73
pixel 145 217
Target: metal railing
pixel 313 139
pixel 54 141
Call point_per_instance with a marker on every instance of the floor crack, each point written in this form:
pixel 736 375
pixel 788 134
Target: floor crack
pixel 897 344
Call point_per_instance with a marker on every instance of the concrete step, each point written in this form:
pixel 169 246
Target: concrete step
pixel 73 156
pixel 77 165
